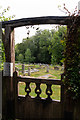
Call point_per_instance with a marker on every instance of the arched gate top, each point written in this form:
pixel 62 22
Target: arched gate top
pixel 63 20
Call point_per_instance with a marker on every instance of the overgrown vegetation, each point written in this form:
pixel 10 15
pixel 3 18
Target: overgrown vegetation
pixel 72 55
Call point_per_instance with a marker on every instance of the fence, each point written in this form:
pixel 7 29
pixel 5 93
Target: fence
pixel 37 108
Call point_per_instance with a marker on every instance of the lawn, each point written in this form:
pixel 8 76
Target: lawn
pixel 54 74
pixel 55 88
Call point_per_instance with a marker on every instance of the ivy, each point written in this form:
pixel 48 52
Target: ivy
pixel 72 56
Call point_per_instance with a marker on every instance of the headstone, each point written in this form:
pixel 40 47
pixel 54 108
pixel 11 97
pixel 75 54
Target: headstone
pixel 56 68
pixel 23 68
pixel 29 71
pixel 40 65
pixel 47 70
pixel 43 67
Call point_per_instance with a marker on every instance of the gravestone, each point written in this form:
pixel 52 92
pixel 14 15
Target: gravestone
pixel 29 71
pixel 40 65
pixel 47 69
pixel 56 68
pixel 23 68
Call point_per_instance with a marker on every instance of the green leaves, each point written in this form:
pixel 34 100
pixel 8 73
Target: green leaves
pixel 20 58
pixel 3 14
pixel 45 46
pixel 4 17
pixel 58 44
pixel 72 60
pixel 28 57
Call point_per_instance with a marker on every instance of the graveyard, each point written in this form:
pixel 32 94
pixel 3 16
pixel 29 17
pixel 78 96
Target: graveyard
pixel 40 70
pixel 43 71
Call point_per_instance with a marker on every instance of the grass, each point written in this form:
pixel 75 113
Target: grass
pixel 55 88
pixel 54 74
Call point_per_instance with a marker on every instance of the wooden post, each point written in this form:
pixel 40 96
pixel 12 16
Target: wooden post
pixel 10 46
pixel 7 81
pixel 0 72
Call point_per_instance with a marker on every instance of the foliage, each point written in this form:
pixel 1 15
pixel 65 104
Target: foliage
pixel 72 56
pixel 72 62
pixel 58 44
pixel 45 46
pixel 2 53
pixel 20 58
pixel 3 18
pixel 28 57
pixel 2 15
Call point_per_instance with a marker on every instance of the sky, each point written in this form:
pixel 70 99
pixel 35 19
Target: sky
pixel 35 8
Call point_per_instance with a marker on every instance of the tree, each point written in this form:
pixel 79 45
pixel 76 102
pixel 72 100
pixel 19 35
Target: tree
pixel 20 58
pixel 58 43
pixel 44 47
pixel 28 56
pixel 42 42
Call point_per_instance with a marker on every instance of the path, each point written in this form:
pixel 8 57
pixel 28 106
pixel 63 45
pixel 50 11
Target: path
pixel 45 76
